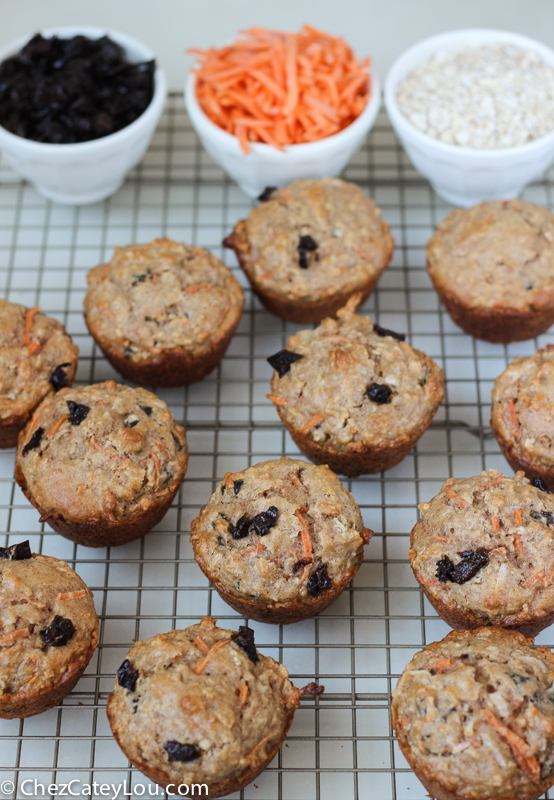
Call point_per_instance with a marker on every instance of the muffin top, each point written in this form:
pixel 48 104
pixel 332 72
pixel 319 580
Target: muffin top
pixel 313 237
pixel 487 544
pixel 121 446
pixel 523 408
pixel 354 384
pixel 475 712
pixel 279 532
pixel 497 253
pixel 162 296
pixel 200 704
pixel 37 357
pixel 48 624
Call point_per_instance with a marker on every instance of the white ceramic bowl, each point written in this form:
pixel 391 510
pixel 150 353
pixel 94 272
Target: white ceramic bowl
pixel 85 172
pixel 267 166
pixel 464 175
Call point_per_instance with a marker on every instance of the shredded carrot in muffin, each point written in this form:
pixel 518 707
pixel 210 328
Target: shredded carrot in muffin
pixel 282 88
pixel 29 325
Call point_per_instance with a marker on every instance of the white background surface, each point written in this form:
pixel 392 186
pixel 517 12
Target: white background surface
pixel 382 28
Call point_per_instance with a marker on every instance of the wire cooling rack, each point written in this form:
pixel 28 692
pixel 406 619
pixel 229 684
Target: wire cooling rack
pixel 340 746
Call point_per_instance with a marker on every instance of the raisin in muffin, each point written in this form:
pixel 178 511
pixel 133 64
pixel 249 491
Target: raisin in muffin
pixel 474 716
pixel 201 706
pixel 48 631
pixel 522 414
pixel 280 540
pixel 102 463
pixel 483 553
pixel 309 247
pixel 163 313
pixel 37 357
pixel 493 268
pixel 354 395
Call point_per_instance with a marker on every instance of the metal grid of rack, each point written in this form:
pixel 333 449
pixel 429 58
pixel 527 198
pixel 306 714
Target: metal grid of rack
pixel 341 744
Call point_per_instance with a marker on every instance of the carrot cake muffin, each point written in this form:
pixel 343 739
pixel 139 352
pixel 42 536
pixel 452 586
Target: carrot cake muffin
pixel 522 414
pixel 354 395
pixel 280 540
pixel 163 313
pixel 474 716
pixel 37 357
pixel 493 268
pixel 48 631
pixel 483 553
pixel 310 246
pixel 101 463
pixel 202 706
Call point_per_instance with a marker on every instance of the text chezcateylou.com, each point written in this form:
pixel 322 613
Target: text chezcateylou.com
pixel 31 787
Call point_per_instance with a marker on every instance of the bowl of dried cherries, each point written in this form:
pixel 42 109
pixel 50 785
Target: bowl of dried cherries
pixel 78 107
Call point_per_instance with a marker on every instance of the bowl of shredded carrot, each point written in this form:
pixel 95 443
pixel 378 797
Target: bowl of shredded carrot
pixel 273 107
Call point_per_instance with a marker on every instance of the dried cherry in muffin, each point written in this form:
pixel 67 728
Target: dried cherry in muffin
pixel 48 630
pixel 163 313
pixel 284 547
pixel 312 245
pixel 125 454
pixel 203 707
pixel 352 396
pixel 37 357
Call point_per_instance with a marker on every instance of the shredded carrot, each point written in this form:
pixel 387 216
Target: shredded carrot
pixel 98 446
pixel 533 579
pixel 282 88
pixel 492 482
pixel 445 539
pixel 510 405
pixel 29 325
pixel 156 461
pixel 213 649
pixel 518 544
pixel 304 534
pixel 72 595
pixel 201 644
pixel 197 287
pixel 495 524
pixel 56 426
pixel 519 747
pixel 311 423
pixel 517 516
pixel 33 347
pixel 243 694
pixel 12 636
pixel 442 664
pixel 277 400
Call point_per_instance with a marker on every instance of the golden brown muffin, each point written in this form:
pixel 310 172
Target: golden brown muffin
pixel 163 313
pixel 474 716
pixel 493 268
pixel 522 415
pixel 102 463
pixel 309 247
pixel 280 540
pixel 483 553
pixel 202 706
pixel 48 631
pixel 37 357
pixel 354 395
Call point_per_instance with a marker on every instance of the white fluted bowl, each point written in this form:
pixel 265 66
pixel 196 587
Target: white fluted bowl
pixel 465 175
pixel 85 172
pixel 267 166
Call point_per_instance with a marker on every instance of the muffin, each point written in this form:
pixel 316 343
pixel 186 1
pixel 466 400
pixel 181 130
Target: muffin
pixel 474 716
pixel 522 415
pixel 483 553
pixel 493 268
pixel 312 245
pixel 354 395
pixel 280 540
pixel 37 357
pixel 101 463
pixel 48 631
pixel 201 706
pixel 163 313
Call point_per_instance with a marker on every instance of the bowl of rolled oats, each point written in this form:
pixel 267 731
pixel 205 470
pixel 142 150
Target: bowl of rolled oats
pixel 474 110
